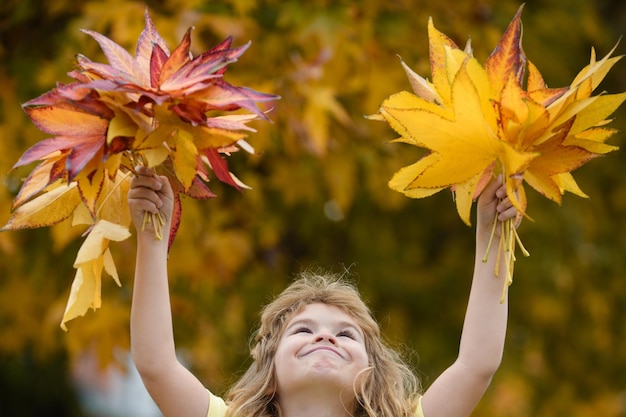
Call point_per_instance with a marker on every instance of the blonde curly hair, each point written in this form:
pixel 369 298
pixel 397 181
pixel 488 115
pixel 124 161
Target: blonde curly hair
pixel 387 388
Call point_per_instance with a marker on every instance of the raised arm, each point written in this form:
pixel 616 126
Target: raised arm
pixel 459 388
pixel 175 390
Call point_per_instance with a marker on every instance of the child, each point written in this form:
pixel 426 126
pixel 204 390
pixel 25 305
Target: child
pixel 318 351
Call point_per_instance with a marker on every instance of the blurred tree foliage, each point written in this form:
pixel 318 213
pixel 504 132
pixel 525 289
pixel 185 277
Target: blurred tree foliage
pixel 320 199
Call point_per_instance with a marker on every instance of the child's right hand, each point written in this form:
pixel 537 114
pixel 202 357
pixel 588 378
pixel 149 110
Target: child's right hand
pixel 153 194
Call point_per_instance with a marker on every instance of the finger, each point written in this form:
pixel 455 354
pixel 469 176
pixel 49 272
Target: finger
pixel 146 181
pixel 501 191
pixel 165 183
pixel 488 195
pixel 144 170
pixel 142 196
pixel 507 213
pixel 494 186
pixel 145 205
pixel 504 204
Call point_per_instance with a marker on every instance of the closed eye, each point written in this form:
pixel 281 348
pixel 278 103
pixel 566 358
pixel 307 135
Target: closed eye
pixel 347 333
pixel 302 329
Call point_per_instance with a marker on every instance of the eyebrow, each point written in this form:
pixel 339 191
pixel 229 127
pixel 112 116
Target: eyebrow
pixel 341 324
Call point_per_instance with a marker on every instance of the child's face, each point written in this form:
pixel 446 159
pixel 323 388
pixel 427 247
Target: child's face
pixel 321 347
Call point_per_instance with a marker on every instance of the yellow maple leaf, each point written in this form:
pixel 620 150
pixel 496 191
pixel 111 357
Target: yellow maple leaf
pixel 477 121
pixel 463 143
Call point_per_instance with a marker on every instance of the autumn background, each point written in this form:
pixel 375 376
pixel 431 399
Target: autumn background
pixel 320 198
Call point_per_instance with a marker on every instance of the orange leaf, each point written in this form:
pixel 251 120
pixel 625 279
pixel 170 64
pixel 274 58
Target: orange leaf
pixel 149 41
pixel 178 58
pixel 508 58
pixel 40 177
pixel 68 120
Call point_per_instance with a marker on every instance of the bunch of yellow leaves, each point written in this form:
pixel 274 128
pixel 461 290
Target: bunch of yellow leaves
pixel 479 121
pixel 164 109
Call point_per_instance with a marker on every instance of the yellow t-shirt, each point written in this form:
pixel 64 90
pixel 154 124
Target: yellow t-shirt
pixel 217 407
pixel 418 410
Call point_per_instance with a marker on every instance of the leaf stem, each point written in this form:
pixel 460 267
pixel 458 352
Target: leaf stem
pixel 508 228
pixel 520 244
pixel 156 221
pixel 493 233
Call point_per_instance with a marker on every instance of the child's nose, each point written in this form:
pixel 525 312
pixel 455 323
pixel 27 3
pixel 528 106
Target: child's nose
pixel 325 336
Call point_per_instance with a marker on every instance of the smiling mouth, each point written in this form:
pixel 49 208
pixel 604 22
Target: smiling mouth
pixel 324 349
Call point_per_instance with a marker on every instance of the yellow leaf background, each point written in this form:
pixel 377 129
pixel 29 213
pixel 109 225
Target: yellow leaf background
pixel 319 197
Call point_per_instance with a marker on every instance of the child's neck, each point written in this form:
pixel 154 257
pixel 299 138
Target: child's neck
pixel 321 405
